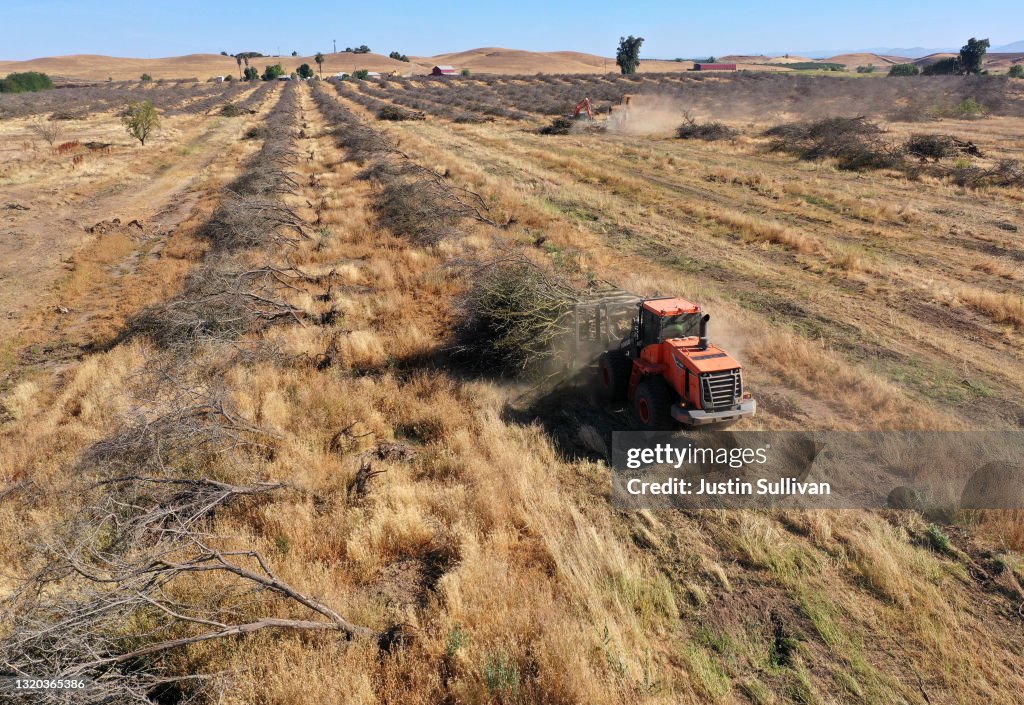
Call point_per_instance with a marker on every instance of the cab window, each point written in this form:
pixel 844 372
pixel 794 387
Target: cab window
pixel 650 328
pixel 681 326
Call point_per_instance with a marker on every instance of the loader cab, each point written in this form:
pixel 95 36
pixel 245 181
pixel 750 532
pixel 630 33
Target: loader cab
pixel 667 319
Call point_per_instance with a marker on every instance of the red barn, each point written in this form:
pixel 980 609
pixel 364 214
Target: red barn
pixel 714 67
pixel 444 71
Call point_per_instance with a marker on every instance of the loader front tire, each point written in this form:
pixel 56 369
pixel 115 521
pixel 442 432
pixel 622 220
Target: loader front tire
pixel 613 371
pixel 652 404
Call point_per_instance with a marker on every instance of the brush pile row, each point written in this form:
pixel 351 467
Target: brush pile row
pixel 489 96
pixel 462 100
pixel 210 102
pixel 255 99
pixel 75 103
pixel 515 313
pixel 423 102
pixel 355 91
pixel 411 200
pixel 229 294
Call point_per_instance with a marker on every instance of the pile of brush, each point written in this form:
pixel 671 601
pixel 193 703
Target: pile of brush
pixel 234 110
pixel 559 126
pixel 517 317
pixel 707 131
pixel 855 143
pixel 397 114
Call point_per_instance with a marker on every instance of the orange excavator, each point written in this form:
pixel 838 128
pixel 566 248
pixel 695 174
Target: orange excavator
pixel 583 108
pixel 656 354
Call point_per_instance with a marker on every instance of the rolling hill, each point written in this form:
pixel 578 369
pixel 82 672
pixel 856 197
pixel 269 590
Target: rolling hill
pixel 852 61
pixel 498 60
pixel 494 60
pixel 202 66
pixel 485 60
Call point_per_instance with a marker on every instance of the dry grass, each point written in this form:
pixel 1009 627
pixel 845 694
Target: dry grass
pixel 1002 307
pixel 517 580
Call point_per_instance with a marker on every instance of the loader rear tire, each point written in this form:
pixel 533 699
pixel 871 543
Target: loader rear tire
pixel 614 369
pixel 652 404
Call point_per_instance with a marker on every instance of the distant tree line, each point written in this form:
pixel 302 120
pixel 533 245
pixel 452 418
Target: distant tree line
pixel 968 62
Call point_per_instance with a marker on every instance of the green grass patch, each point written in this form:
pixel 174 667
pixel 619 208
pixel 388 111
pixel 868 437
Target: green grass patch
pixel 811 66
pixel 718 642
pixel 934 381
pixel 501 675
pixel 576 210
pixel 650 599
pixel 708 675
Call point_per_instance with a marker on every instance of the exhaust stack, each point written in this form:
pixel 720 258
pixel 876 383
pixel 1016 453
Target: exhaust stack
pixel 703 341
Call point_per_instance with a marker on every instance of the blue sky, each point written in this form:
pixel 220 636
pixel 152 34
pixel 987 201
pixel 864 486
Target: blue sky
pixel 147 28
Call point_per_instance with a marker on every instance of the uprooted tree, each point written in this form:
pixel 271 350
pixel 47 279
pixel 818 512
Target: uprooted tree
pixel 517 316
pixel 219 304
pixel 139 572
pixel 707 131
pixel 854 142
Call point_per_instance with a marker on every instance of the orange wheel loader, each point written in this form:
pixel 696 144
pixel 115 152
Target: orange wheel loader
pixel 657 356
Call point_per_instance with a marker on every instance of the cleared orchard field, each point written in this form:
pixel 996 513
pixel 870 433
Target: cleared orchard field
pixel 246 428
pixel 894 291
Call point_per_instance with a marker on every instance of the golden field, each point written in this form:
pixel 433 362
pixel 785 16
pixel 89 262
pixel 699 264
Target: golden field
pixel 485 537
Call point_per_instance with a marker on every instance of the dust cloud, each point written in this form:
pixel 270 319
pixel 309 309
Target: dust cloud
pixel 659 108
pixel 648 115
pixel 727 334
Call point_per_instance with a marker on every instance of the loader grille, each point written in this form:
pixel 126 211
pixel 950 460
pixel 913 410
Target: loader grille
pixel 720 390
